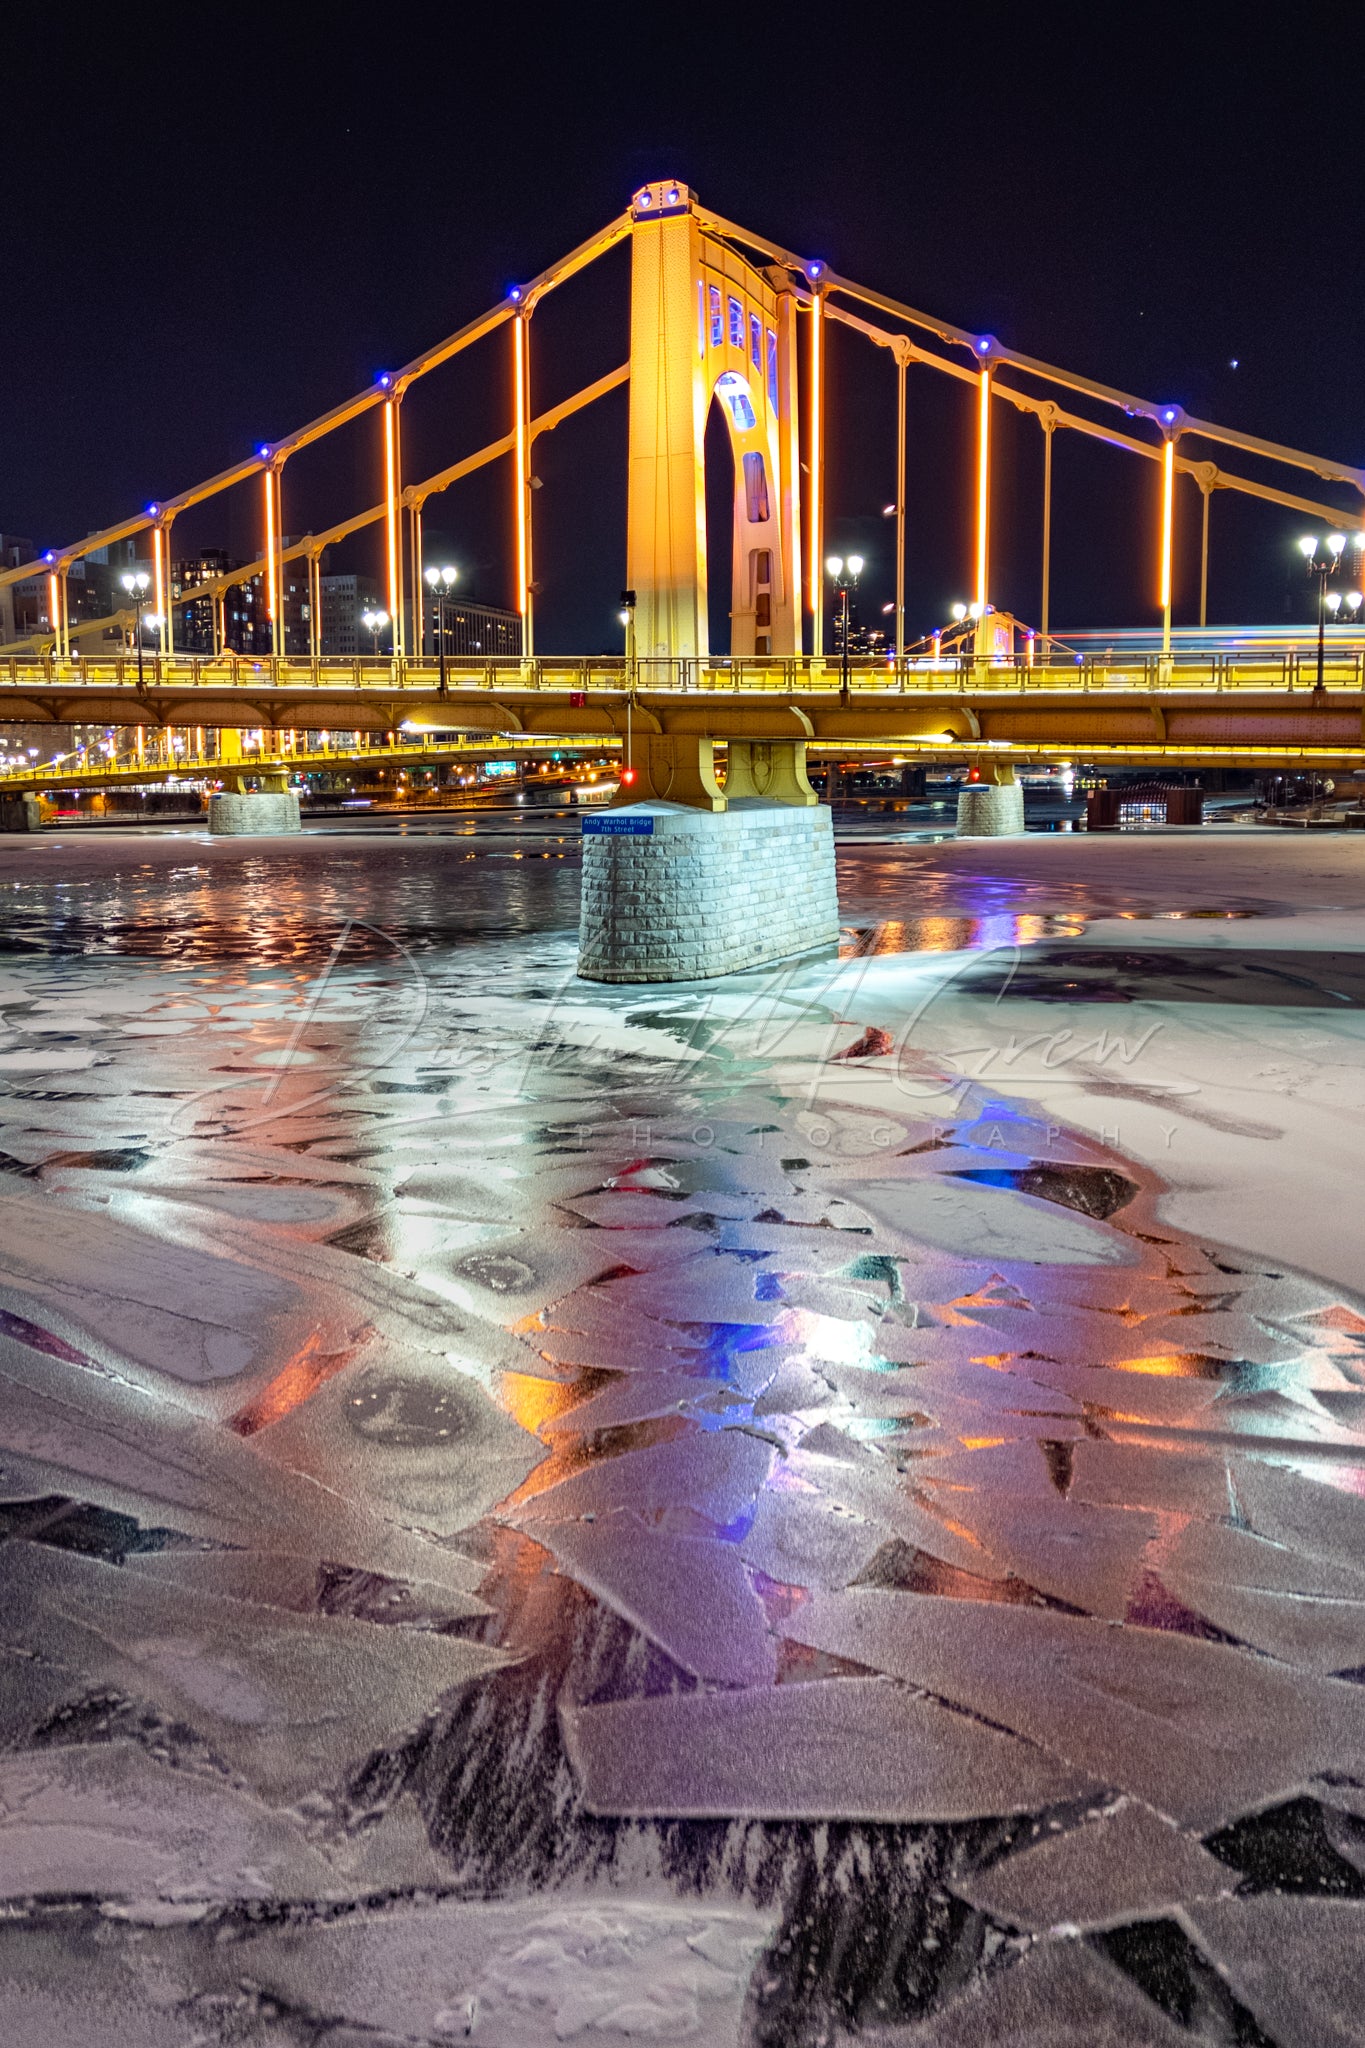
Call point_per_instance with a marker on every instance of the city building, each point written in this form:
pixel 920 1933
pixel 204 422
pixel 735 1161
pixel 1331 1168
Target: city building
pixel 344 598
pixel 194 621
pixel 478 629
pixel 861 639
pixel 23 606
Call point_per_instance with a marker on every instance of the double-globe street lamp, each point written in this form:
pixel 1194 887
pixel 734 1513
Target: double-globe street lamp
pixel 135 582
pixel 374 624
pixel 438 581
pixel 1322 565
pixel 844 575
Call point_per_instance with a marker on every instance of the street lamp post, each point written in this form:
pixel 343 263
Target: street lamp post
pixel 438 582
pixel 1322 566
pixel 627 617
pixel 844 575
pixel 374 623
pixel 135 582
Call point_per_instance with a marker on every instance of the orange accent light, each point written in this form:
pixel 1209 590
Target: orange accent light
pixel 816 451
pixel 983 487
pixel 519 381
pixel 1167 520
pixel 159 570
pixel 391 506
pixel 53 615
pixel 270 586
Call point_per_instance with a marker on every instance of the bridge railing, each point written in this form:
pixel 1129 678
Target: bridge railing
pixel 1230 669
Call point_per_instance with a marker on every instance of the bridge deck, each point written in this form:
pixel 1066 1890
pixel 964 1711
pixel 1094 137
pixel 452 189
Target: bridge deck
pixel 1214 709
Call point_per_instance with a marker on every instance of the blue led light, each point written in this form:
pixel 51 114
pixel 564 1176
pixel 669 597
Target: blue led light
pixel 50 556
pixel 384 380
pixel 815 268
pixel 985 343
pixel 264 451
pixel 1169 412
pixel 515 293
pixel 152 511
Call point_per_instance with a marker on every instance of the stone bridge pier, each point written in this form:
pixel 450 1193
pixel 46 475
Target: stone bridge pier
pixel 991 807
pixel 684 879
pixel 235 809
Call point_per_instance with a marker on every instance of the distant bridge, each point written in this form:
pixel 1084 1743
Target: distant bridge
pixel 721 316
pixel 1212 710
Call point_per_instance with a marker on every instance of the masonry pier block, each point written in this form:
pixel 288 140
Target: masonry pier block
pixel 256 811
pixel 20 814
pixel 675 893
pixel 992 808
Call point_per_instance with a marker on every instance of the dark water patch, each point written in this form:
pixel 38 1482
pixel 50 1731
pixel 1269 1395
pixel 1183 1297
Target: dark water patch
pixel 36 1338
pixel 68 1524
pixel 868 1934
pixel 1251 976
pixel 119 1159
pixel 1287 1849
pixel 53 1095
pixel 1162 1960
pixel 1094 1190
pixel 898 1567
pixel 1058 1455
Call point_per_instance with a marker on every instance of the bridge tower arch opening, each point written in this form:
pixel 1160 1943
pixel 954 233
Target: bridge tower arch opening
pixel 751 523
pixel 708 327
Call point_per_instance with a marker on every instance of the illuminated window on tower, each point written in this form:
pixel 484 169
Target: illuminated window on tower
pixel 717 326
pixel 755 486
pixel 756 341
pixel 772 368
pixel 736 324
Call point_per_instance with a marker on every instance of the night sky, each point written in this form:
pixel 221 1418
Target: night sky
pixel 221 223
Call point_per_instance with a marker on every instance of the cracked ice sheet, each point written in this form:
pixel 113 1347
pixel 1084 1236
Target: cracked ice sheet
pixel 690 1595
pixel 842 1748
pixel 271 1580
pixel 1304 1610
pixel 994 1222
pixel 869 1486
pixel 1127 1864
pixel 1060 1995
pixel 633 1398
pixel 420 1439
pixel 1305 1514
pixel 514 1974
pixel 288 1700
pixel 1088 1556
pixel 115 1281
pixel 92 1439
pixel 1198 1731
pixel 31 1690
pixel 797 1539
pixel 64 1987
pixel 1297 1963
pixel 717 1472
pixel 1125 1475
pixel 107 1821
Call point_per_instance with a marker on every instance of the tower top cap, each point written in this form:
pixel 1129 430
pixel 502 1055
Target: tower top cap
pixel 665 195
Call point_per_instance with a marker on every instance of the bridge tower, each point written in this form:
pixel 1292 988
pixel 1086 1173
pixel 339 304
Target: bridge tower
pixel 707 325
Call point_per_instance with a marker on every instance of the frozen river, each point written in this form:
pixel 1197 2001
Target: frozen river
pixel 823 1506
